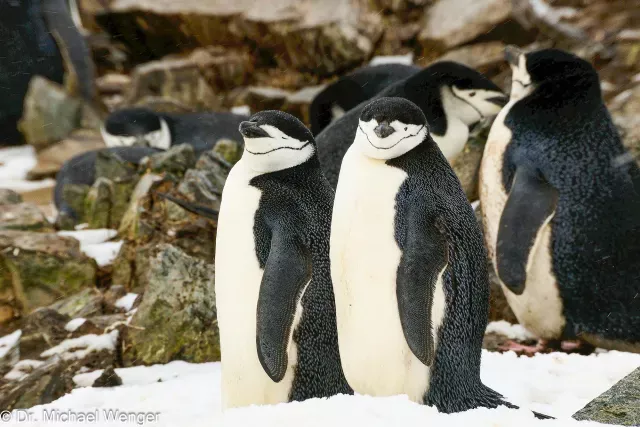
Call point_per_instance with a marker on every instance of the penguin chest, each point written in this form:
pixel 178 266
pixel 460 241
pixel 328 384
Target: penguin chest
pixel 364 261
pixel 238 278
pixel 539 308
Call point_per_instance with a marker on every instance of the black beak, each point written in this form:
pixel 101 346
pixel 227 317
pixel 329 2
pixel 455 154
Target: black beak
pixel 252 130
pixel 500 101
pixel 512 54
pixel 383 130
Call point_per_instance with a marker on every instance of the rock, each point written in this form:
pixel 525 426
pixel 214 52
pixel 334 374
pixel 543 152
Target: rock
pixel 467 166
pixel 51 159
pixel 40 268
pixel 50 114
pixel 23 216
pixel 88 302
pixel 108 322
pixel 112 83
pixel 108 378
pixel 625 109
pixel 322 37
pixel 42 329
pixel 260 98
pixel 177 316
pixel 298 102
pixel 129 225
pixel 97 206
pixel 9 351
pixel 487 58
pixel 620 405
pixel 176 160
pixel 113 294
pixel 74 195
pixel 229 150
pixel 451 23
pixel 9 197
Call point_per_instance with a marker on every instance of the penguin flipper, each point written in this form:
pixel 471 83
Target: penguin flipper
pixel 531 205
pixel 424 259
pixel 286 273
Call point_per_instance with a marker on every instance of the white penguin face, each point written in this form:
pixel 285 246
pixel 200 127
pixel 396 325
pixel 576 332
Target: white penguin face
pixel 268 149
pixel 384 141
pixel 160 138
pixel 472 105
pixel 521 84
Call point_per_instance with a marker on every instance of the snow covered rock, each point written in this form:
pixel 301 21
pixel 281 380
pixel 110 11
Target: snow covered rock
pixel 177 316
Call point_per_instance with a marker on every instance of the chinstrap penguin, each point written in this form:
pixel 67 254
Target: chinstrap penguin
pixel 561 205
pixel 274 298
pixel 352 89
pixel 35 34
pixel 451 96
pixel 145 127
pixel 408 266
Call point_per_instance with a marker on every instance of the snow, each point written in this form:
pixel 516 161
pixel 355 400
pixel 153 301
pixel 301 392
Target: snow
pixel 94 244
pixel 15 163
pixel 78 348
pixel 126 302
pixel 74 324
pixel 22 369
pixel 392 59
pixel 8 342
pixel 242 110
pixel 513 332
pixel 189 394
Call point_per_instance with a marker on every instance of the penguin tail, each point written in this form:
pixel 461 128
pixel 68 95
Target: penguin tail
pixel 194 208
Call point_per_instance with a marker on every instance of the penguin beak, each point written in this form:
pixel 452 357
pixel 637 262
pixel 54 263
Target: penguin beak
pixel 383 130
pixel 512 54
pixel 252 130
pixel 500 101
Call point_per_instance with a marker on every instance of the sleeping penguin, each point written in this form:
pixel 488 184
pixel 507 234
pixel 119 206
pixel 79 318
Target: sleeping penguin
pixel 145 127
pixel 451 96
pixel 352 89
pixel 35 35
pixel 561 205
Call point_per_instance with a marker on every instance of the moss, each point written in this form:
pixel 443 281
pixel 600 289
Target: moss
pixel 229 150
pixel 74 195
pixel 97 205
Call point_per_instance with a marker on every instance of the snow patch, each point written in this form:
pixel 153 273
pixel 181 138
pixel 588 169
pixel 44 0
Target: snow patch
pixel 392 59
pixel 16 162
pixel 22 369
pixel 94 244
pixel 8 342
pixel 126 302
pixel 513 332
pixel 241 110
pixel 78 348
pixel 74 324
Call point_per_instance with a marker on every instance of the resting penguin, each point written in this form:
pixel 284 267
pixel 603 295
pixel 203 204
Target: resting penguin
pixel 408 266
pixel 352 89
pixel 35 35
pixel 451 96
pixel 274 298
pixel 81 170
pixel 560 208
pixel 142 126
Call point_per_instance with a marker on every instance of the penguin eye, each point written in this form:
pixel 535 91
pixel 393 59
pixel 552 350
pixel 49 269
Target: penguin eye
pixel 472 94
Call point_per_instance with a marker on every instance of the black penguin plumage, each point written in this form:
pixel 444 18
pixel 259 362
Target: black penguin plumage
pixel 352 89
pixel 29 48
pixel 563 135
pixel 81 170
pixel 422 88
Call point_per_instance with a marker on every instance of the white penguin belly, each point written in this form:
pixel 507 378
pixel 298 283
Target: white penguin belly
pixel 238 277
pixel 539 308
pixel 364 260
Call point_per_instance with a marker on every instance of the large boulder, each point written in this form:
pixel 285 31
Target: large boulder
pixel 620 405
pixel 177 316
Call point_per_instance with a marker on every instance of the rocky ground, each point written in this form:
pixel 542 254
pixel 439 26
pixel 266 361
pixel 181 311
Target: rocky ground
pixel 65 309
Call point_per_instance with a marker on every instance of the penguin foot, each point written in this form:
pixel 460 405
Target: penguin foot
pixel 520 349
pixel 548 346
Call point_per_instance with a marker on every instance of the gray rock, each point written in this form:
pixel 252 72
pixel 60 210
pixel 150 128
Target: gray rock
pixel 175 160
pixel 620 405
pixel 88 302
pixel 108 378
pixel 42 329
pixel 97 205
pixel 23 216
pixel 177 316
pixel 9 197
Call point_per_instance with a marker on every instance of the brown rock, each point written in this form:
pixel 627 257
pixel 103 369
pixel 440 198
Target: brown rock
pixel 23 216
pixel 487 58
pixel 42 329
pixel 9 197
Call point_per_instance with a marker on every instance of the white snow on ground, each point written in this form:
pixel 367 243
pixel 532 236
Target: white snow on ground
pixel 77 348
pixel 8 342
pixel 15 162
pixel 513 332
pixel 22 369
pixel 74 324
pixel 392 59
pixel 126 302
pixel 94 244
pixel 189 394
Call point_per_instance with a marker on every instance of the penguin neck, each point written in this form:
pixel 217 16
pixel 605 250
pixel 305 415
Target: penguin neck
pixel 425 90
pixel 456 132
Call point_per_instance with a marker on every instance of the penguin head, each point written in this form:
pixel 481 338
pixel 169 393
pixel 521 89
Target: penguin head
pixel 467 94
pixel 274 141
pixel 390 127
pixel 556 68
pixel 136 127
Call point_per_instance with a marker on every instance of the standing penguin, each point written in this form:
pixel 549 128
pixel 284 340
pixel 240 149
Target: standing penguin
pixel 560 207
pixel 352 89
pixel 36 35
pixel 451 96
pixel 142 126
pixel 274 297
pixel 408 266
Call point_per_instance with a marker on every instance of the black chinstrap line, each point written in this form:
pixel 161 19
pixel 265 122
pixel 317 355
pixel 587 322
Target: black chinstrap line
pixel 389 148
pixel 279 148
